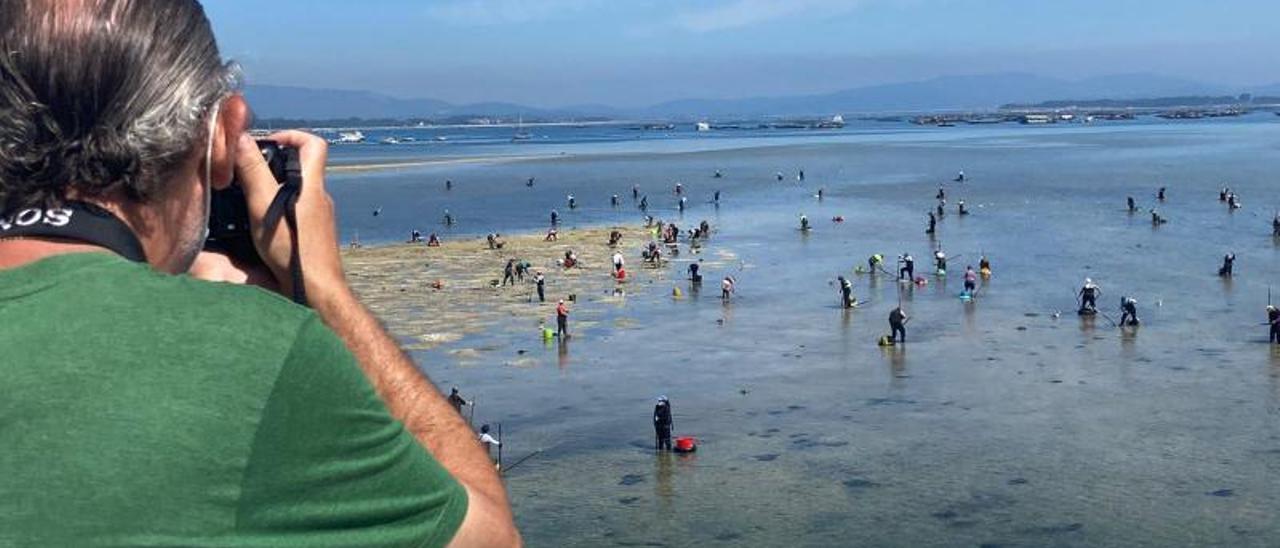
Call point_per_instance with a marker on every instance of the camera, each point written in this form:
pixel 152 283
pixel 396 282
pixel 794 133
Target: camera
pixel 229 212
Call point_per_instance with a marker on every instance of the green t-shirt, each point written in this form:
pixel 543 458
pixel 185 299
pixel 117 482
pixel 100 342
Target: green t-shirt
pixel 138 408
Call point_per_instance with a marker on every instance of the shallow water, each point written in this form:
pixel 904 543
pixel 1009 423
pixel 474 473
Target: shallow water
pixel 997 423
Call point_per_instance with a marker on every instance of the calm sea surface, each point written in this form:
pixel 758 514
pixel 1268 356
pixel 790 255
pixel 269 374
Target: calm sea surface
pixel 998 424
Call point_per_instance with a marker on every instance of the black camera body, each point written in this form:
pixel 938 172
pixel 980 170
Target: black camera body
pixel 229 212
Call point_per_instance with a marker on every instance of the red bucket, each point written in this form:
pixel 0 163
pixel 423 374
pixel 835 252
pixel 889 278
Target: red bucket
pixel 686 444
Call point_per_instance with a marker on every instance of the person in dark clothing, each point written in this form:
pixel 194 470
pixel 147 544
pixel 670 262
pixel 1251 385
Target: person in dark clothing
pixel 1128 311
pixel 644 203
pixel 635 192
pixel 1132 205
pixel 942 194
pixel 555 217
pixel 448 184
pixel 1228 265
pixel 1089 297
pixel 1275 225
pixel 541 282
pixel 716 198
pixel 694 276
pixel 662 423
pixel 1160 194
pixel 1273 320
pixel 613 200
pixel 942 207
pixel 898 325
pixel 456 400
pixel 529 183
pixel 963 210
pixel 509 272
pixel 933 223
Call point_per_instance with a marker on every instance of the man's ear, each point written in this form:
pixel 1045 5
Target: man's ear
pixel 233 120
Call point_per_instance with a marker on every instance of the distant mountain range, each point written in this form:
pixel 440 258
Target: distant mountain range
pixel 977 92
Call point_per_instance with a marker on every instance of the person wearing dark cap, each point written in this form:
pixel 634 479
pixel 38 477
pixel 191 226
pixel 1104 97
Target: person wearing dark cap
pixel 662 423
pixel 456 400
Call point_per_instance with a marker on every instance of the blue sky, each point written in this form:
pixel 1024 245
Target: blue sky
pixel 639 52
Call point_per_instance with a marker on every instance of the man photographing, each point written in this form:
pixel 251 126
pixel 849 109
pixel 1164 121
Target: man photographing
pixel 143 404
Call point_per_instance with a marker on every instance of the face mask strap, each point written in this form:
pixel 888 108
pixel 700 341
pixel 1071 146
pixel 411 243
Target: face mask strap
pixel 208 166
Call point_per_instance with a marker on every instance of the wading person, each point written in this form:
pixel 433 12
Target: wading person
pixel 933 224
pixel 874 263
pixel 970 280
pixel 1228 265
pixel 1273 323
pixel 562 320
pixel 846 292
pixel 898 325
pixel 662 423
pixel 218 414
pixel 1128 311
pixel 541 282
pixel 1089 297
pixel 456 400
pixel 1133 206
pixel 907 267
pixel 488 441
pixel 726 288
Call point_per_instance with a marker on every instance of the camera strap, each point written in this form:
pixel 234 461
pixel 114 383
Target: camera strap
pixel 79 221
pixel 284 205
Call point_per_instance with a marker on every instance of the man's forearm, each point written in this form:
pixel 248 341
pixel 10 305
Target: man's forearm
pixel 410 396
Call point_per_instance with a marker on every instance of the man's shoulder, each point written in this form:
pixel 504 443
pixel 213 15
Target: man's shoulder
pixel 182 303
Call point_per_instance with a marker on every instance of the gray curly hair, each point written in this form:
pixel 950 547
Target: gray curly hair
pixel 103 96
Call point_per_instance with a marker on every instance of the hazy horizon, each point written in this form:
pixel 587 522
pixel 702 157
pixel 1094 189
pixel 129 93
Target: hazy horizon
pixel 557 53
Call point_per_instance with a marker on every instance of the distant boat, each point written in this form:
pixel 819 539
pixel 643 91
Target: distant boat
pixel 389 141
pixel 349 137
pixel 836 122
pixel 703 126
pixel 521 134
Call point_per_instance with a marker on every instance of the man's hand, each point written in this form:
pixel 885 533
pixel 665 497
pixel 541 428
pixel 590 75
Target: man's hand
pixel 317 229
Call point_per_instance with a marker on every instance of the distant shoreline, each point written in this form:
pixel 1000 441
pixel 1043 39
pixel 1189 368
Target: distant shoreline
pixel 356 168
